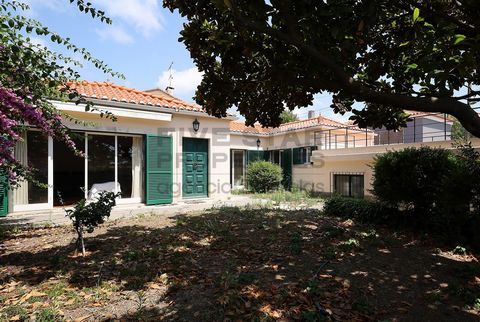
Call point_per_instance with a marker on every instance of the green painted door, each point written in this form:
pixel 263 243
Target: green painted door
pixel 3 195
pixel 159 170
pixel 195 168
pixel 286 164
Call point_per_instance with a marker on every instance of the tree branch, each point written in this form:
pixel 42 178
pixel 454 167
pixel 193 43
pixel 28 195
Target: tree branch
pixel 463 112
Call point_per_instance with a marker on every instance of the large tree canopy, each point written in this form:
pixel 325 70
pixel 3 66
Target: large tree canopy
pixel 30 75
pixel 391 54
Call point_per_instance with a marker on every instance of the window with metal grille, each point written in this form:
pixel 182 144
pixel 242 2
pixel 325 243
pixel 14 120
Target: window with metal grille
pixel 349 185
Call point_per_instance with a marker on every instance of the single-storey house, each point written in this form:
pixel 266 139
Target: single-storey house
pixel 162 150
pixel 159 150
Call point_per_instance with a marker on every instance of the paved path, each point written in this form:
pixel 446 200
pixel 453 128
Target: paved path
pixel 57 216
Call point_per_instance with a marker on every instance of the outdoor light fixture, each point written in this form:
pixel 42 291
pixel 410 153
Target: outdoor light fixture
pixel 196 125
pixel 258 143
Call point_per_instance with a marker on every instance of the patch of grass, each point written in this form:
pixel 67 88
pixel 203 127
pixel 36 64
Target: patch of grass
pixel 459 250
pixel 476 304
pixel 34 299
pixel 246 277
pixel 47 315
pixel 311 287
pixel 348 245
pixel 296 243
pixel 14 310
pixel 295 196
pixel 333 232
pixel 132 255
pixel 7 231
pixel 56 289
pixel 369 235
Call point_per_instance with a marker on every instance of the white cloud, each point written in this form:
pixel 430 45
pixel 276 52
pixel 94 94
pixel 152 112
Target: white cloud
pixel 38 41
pixel 184 82
pixel 116 34
pixel 144 15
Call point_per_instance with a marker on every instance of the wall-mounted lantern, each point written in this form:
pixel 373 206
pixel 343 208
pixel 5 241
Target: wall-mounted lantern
pixel 196 125
pixel 258 143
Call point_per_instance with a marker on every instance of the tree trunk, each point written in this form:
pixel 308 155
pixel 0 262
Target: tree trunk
pixel 80 245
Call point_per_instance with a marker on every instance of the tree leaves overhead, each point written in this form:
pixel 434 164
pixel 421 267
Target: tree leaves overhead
pixel 264 55
pixel 30 74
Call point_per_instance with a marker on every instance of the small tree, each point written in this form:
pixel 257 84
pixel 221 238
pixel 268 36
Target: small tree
pixel 288 116
pixel 263 176
pixel 87 216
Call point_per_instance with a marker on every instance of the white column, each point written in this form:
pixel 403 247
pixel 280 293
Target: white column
pixel 50 172
pixel 86 165
pixel 116 165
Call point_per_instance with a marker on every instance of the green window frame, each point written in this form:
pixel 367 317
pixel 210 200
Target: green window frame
pixel 158 170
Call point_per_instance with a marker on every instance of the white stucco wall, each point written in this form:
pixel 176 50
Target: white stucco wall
pixel 215 130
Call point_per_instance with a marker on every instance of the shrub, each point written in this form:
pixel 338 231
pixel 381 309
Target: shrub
pixel 420 179
pixel 360 209
pixel 263 176
pixel 87 216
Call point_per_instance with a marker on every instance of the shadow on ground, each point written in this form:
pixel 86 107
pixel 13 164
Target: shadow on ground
pixel 251 264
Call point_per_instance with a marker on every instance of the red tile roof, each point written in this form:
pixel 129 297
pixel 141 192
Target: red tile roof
pixel 116 93
pixel 240 127
pixel 236 126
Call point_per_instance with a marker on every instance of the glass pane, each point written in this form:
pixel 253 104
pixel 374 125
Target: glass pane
pixel 342 184
pixel 125 165
pixel 37 158
pixel 357 186
pixel 238 167
pixel 101 164
pixel 68 172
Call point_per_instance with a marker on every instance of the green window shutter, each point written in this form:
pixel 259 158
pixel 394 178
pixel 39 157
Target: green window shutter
pixel 266 155
pixel 3 195
pixel 287 168
pixel 253 156
pixel 159 170
pixel 297 156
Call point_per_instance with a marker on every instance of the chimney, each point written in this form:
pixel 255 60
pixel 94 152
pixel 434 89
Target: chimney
pixel 311 114
pixel 169 90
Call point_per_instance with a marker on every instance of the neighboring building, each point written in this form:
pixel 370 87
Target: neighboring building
pixel 290 145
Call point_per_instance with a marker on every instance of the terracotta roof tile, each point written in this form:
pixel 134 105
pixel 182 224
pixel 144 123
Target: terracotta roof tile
pixel 236 126
pixel 240 127
pixel 112 92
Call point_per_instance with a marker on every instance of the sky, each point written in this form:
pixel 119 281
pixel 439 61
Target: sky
pixel 141 43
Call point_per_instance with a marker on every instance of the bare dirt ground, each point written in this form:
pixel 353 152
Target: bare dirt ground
pixel 233 264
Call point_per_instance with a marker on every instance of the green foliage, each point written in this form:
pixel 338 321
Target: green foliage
pixel 33 74
pixel 87 216
pixel 265 56
pixel 288 116
pixel 437 190
pixel 263 176
pixel 361 209
pixel 419 179
pixel 459 134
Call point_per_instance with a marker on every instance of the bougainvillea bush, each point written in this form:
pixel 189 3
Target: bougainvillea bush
pixel 30 75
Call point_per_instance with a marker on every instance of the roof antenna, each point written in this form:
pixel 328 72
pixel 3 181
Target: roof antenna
pixel 169 88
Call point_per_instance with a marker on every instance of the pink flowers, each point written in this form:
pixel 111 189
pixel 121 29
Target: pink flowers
pixel 15 112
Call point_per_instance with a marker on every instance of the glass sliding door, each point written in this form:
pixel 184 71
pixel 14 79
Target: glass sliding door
pixel 130 167
pixel 238 168
pixel 37 156
pixel 68 172
pixel 32 151
pixel 101 164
